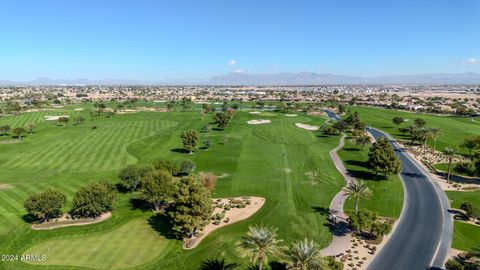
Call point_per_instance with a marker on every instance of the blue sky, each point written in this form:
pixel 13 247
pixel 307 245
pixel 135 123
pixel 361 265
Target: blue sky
pixel 153 40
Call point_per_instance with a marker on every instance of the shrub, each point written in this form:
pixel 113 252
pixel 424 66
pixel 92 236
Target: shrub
pixel 466 168
pixel 471 210
pixel 453 265
pixel 186 167
pixel 208 180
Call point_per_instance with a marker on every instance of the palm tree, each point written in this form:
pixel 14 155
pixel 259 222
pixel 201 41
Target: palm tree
pixel 260 242
pixel 449 153
pixel 357 190
pixel 304 255
pixel 434 132
pixel 217 264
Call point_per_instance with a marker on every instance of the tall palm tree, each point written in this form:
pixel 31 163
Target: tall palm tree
pixel 260 242
pixel 304 255
pixel 434 132
pixel 217 264
pixel 357 190
pixel 449 153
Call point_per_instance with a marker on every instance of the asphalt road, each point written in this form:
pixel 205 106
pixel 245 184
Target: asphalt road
pixel 424 232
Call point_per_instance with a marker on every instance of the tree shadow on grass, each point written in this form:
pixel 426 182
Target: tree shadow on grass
pixel 323 211
pixel 29 218
pixel 139 204
pixel 351 149
pixel 162 225
pixel 180 150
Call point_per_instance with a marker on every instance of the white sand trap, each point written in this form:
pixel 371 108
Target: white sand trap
pixel 259 122
pixel 255 112
pixel 307 127
pixel 233 215
pixel 290 115
pixel 64 222
pixel 54 117
pixel 78 109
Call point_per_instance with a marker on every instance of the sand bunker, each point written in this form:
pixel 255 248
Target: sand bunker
pixel 230 216
pixel 5 186
pixel 290 115
pixel 64 222
pixel 255 112
pixel 307 127
pixel 78 109
pixel 259 122
pixel 54 117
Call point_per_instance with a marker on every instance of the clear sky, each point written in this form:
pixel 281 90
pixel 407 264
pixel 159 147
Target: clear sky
pixel 154 40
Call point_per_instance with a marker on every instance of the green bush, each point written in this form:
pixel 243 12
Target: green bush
pixel 453 265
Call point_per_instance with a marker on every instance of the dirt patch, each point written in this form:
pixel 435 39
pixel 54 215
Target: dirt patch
pixel 5 186
pixel 10 141
pixel 259 122
pixel 231 216
pixel 307 127
pixel 67 222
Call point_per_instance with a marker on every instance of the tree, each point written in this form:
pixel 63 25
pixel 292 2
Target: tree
pixel 221 119
pixel 132 176
pixel 63 120
pixel 18 131
pixel 31 128
pixel 470 143
pixel 187 166
pixel 434 132
pixel 341 126
pixel 330 131
pixel 382 158
pixel 46 205
pixel 397 120
pixel 217 264
pixel 453 265
pixel 470 210
pixel 419 122
pixel 192 208
pixel 304 255
pixel 79 120
pixel 260 242
pixel 158 188
pixel 362 140
pixel 162 165
pixel 189 139
pixel 357 190
pixel 449 153
pixel 341 108
pixel 4 129
pixel 207 144
pixel 93 200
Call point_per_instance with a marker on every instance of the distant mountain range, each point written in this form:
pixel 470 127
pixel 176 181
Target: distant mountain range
pixel 302 78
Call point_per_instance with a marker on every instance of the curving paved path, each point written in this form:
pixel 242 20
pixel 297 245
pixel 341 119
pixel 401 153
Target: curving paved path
pixel 341 237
